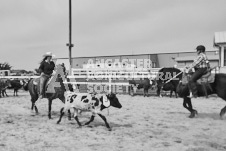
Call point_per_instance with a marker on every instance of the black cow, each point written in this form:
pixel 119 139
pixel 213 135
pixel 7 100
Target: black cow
pixel 139 84
pixel 168 80
pixel 16 85
pixel 4 84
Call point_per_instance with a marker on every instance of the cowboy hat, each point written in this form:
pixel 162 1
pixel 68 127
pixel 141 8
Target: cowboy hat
pixel 48 54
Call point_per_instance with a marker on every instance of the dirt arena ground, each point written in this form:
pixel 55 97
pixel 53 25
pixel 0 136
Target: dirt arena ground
pixel 148 124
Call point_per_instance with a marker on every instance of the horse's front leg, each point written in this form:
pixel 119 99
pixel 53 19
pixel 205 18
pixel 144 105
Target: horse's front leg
pixel 188 105
pixel 33 100
pixel 50 107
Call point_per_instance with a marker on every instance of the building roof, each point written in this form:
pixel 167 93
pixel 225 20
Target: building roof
pixel 191 58
pixel 220 38
pixel 160 53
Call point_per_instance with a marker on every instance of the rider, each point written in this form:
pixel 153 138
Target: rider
pixel 201 65
pixel 46 68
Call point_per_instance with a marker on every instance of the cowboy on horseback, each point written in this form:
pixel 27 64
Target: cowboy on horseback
pixel 46 68
pixel 201 66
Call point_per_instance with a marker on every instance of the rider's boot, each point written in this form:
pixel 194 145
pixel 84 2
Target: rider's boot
pixel 193 92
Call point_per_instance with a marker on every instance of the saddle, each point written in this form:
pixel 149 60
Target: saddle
pixel 204 81
pixel 36 82
pixel 206 78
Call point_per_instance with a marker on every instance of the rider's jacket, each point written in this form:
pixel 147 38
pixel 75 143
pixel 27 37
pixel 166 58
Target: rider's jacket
pixel 47 68
pixel 201 61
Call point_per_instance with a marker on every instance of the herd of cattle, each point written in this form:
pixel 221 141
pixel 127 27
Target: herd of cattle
pixel 14 84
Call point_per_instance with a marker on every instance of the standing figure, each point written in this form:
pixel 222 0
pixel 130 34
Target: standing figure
pixel 46 68
pixel 201 66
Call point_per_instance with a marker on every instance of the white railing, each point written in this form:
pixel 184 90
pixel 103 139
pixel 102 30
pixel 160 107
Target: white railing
pixel 110 74
pixel 107 75
pixel 18 77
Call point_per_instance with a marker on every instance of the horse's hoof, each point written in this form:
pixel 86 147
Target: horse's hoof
pixel 58 122
pixel 109 129
pixel 193 114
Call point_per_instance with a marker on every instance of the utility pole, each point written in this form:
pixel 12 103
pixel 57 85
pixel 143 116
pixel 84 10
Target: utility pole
pixel 70 45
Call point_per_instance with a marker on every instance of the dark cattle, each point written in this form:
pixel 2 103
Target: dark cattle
pixel 139 84
pixel 4 84
pixel 166 75
pixel 33 87
pixel 217 87
pixel 89 102
pixel 16 85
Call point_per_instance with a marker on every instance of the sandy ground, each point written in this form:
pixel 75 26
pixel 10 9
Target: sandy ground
pixel 147 124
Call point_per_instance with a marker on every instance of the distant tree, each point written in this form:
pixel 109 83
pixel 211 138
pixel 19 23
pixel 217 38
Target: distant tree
pixel 5 66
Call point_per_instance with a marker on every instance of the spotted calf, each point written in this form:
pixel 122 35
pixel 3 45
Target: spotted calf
pixel 89 102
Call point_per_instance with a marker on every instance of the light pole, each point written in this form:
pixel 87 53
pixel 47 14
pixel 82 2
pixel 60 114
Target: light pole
pixel 70 45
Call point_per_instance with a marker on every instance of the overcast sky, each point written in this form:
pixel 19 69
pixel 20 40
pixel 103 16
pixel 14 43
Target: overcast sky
pixel 29 28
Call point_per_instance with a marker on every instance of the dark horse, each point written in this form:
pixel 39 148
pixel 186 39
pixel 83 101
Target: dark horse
pixel 168 80
pixel 218 86
pixel 33 87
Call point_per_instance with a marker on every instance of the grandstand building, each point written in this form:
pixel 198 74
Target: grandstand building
pixel 158 60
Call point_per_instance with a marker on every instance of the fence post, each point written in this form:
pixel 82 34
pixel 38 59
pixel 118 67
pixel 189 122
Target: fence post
pixel 109 78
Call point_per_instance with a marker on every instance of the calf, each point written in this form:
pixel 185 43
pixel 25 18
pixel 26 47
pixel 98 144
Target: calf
pixel 139 84
pixel 4 84
pixel 16 85
pixel 89 102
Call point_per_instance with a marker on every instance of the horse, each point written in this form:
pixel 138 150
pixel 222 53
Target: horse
pixel 166 81
pixel 33 88
pixel 216 87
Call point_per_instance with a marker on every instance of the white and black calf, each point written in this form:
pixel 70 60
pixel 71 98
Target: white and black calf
pixel 89 102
